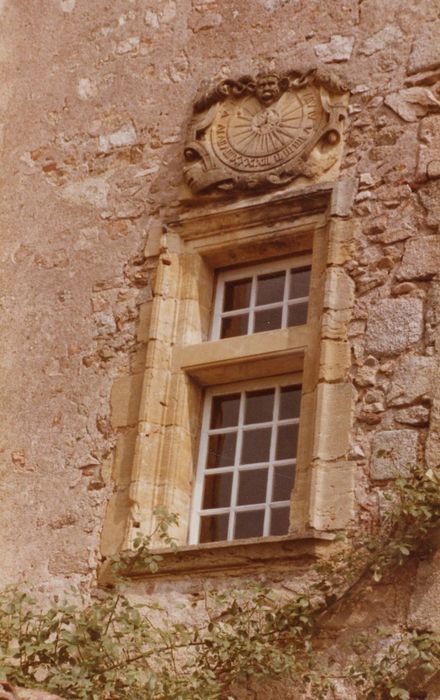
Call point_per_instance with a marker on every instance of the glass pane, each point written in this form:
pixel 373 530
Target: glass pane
pixel 270 288
pixel 287 441
pixel 267 320
pixel 283 479
pixel 290 400
pixel 256 446
pixel 224 412
pixel 249 524
pixel 259 406
pixel 297 314
pixel 299 283
pixel 252 487
pixel 234 325
pixel 237 294
pixel 217 491
pixel 214 527
pixel 221 450
pixel 279 521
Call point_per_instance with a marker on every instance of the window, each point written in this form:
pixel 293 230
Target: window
pixel 262 298
pixel 247 461
pixel 266 332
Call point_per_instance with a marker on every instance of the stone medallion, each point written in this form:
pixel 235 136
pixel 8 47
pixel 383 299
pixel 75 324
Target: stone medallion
pixel 251 133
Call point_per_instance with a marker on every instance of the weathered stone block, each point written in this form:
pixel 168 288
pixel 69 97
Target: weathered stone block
pixel 392 453
pixel 424 611
pixel 338 49
pixel 412 381
pixel 421 259
pixel 333 495
pixel 339 290
pixel 125 398
pixel 334 360
pixel 334 411
pixel 394 325
pixel 424 53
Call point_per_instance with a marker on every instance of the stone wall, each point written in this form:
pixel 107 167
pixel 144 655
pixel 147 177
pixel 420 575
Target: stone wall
pixel 95 101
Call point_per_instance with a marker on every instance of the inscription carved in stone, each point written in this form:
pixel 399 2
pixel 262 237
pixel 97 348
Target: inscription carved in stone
pixel 265 131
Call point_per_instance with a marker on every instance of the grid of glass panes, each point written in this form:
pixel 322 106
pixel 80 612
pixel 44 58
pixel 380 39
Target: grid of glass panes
pixel 247 463
pixel 261 298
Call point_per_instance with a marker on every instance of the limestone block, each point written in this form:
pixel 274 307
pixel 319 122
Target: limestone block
pixel 124 457
pixel 334 418
pixel 387 36
pixel 366 375
pixel 338 49
pixel 163 319
pixel 412 103
pixel 425 54
pixel 333 495
pixel 394 325
pixel 339 290
pixel 428 159
pixel 415 415
pixel 334 360
pixel 430 197
pixel 340 241
pixel 421 259
pixel 393 452
pixel 412 380
pixel 143 327
pixel 335 324
pixel 125 398
pixel 343 196
pixel 432 450
pixel 424 610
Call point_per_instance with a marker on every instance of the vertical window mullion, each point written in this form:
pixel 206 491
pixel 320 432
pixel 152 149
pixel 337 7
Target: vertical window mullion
pixel 252 303
pixel 201 471
pixel 285 299
pixel 235 478
pixel 273 443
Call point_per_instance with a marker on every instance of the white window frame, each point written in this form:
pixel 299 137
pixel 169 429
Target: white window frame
pixel 286 263
pixel 196 509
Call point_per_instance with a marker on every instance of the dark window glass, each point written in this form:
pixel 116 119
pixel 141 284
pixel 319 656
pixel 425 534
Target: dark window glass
pixel 290 400
pixel 252 487
pixel 217 491
pixel 287 441
pixel 221 450
pixel 297 314
pixel 224 412
pixel 249 524
pixel 214 527
pixel 270 287
pixel 267 320
pixel 259 406
pixel 256 446
pixel 237 294
pixel 283 478
pixel 279 521
pixel 299 283
pixel 234 325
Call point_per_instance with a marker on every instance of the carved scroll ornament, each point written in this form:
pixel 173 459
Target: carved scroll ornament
pixel 264 131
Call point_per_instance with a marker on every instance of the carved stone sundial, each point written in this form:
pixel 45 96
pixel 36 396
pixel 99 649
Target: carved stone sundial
pixel 251 133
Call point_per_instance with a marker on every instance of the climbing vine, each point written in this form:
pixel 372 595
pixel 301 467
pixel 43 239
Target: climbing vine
pixel 110 646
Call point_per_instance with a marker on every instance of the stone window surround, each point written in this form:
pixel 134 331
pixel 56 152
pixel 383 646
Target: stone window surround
pixel 181 361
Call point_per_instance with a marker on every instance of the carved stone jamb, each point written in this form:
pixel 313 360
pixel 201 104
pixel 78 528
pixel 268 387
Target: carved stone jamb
pixel 266 131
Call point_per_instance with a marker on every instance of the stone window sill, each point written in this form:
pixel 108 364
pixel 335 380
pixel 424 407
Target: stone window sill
pixel 235 558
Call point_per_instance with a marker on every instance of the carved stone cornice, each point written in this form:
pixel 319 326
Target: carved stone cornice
pixel 265 131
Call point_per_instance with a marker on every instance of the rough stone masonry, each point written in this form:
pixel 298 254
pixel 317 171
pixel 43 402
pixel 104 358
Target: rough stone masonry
pixel 95 102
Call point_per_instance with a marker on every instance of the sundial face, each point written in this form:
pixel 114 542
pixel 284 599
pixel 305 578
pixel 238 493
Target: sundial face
pixel 256 138
pixel 265 131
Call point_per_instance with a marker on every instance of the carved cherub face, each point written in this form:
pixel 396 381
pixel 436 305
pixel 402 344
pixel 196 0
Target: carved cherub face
pixel 267 89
